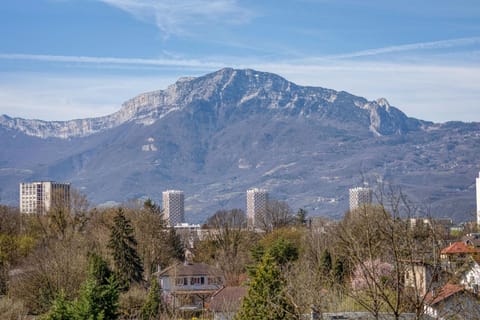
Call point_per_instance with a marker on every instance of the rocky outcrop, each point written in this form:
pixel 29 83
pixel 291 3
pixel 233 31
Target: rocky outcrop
pixel 231 92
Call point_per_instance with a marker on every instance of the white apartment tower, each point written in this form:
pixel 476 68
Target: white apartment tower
pixel 478 199
pixel 40 197
pixel 257 200
pixel 360 196
pixel 173 207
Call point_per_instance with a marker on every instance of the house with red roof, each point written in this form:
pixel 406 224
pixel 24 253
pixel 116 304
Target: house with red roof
pixel 457 254
pixel 451 301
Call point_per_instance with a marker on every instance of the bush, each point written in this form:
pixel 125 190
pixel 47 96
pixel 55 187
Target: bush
pixel 131 302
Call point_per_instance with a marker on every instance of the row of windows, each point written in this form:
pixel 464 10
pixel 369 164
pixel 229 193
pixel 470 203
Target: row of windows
pixel 185 281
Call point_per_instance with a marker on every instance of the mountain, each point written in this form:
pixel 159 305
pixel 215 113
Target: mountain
pixel 217 135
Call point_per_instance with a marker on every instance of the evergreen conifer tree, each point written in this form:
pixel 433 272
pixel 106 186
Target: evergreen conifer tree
pixel 266 299
pixel 338 271
pixel 122 244
pixel 283 251
pixel 151 308
pixel 176 245
pixel 98 299
pixel 326 262
pixel 61 309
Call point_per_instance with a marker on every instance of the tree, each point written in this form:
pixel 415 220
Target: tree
pixel 381 270
pixel 152 207
pixel 338 271
pixel 175 245
pixel 3 278
pixel 266 298
pixel 62 309
pixel 122 244
pixel 151 308
pixel 98 299
pixel 326 262
pixel 283 252
pixel 229 240
pixel 98 269
pixel 152 237
pixel 383 233
pixel 60 219
pixel 79 207
pixel 301 217
pixel 290 237
pixel 278 214
pixel 234 218
pixel 49 269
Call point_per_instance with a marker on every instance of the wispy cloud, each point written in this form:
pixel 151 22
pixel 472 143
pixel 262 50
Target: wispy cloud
pixel 430 92
pixel 212 63
pixel 181 17
pixel 110 60
pixel 442 44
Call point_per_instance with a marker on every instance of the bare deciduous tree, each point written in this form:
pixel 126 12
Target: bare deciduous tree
pixel 278 214
pixel 229 236
pixel 383 233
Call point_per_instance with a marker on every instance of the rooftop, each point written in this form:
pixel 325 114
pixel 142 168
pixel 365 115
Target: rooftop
pixel 227 299
pixel 459 247
pixel 190 269
pixel 439 295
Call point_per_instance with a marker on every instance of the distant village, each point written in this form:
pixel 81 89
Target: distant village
pixel 61 259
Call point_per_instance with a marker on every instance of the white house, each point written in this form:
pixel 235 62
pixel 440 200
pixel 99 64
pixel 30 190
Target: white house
pixel 451 302
pixel 471 276
pixel 187 286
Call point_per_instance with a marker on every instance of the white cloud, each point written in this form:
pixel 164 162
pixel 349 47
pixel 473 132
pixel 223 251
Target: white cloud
pixel 182 17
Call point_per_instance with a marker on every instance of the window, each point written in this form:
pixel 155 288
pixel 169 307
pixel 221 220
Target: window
pixel 181 281
pixel 197 281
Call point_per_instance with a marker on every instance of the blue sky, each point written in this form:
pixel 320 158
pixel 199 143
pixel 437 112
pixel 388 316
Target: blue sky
pixel 66 59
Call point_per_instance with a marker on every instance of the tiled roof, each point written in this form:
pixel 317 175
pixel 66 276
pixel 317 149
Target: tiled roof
pixel 442 293
pixel 227 299
pixel 459 247
pixel 190 269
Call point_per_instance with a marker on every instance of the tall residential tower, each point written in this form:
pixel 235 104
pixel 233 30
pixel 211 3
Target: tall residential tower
pixel 257 200
pixel 40 197
pixel 360 196
pixel 173 207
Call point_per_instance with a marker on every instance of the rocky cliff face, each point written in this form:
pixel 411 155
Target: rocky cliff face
pixel 217 135
pixel 231 92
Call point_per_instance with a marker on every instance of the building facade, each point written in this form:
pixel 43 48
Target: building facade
pixel 173 207
pixel 360 196
pixel 257 200
pixel 188 286
pixel 478 199
pixel 40 197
